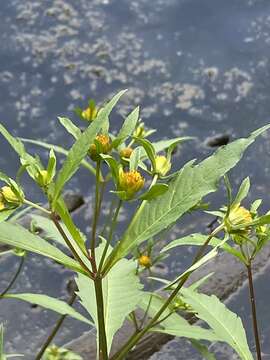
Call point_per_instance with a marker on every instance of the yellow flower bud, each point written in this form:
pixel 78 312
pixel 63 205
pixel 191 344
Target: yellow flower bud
pixel 89 113
pixel 2 202
pixel 145 261
pixel 239 216
pixel 139 131
pixel 104 146
pixel 44 177
pixel 163 166
pixel 126 152
pixel 9 196
pixel 130 182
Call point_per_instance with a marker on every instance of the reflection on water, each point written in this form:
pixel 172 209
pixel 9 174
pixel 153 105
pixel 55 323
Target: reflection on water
pixel 196 67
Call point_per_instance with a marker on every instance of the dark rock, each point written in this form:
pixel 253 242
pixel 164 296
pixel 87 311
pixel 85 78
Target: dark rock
pixel 218 140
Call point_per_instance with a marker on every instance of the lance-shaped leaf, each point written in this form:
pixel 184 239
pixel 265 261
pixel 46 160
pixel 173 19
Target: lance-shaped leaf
pixel 165 144
pixel 18 237
pixel 154 191
pixel 70 127
pixel 242 192
pixel 198 240
pixel 121 294
pixel 59 150
pixel 191 184
pixel 174 324
pixel 203 350
pixel 127 128
pixel 50 303
pixel 80 148
pixel 225 324
pixel 30 163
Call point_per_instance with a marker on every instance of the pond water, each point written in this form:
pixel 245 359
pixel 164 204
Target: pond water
pixel 197 68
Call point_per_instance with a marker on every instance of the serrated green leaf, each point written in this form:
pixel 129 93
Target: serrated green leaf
pixel 70 127
pixel 198 240
pixel 155 191
pixel 188 188
pixel 174 324
pixel 50 303
pixel 6 213
pixel 127 128
pixel 203 350
pixel 226 325
pixel 17 236
pixel 80 148
pixel 121 294
pixel 209 256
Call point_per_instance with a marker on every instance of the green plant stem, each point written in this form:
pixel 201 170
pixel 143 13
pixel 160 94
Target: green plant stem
pixel 95 219
pixel 143 203
pixel 55 330
pixel 69 244
pixel 102 338
pixel 135 322
pixel 137 213
pixel 36 206
pixel 113 225
pixel 14 277
pixel 254 313
pixel 108 218
pixel 138 335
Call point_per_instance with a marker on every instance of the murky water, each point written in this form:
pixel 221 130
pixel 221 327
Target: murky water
pixel 196 68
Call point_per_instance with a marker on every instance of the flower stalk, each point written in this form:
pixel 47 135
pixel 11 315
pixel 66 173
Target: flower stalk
pixel 254 312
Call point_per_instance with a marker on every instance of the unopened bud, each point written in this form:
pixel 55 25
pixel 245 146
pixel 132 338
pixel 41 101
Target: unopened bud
pixel 163 166
pixel 139 132
pixel 90 113
pixel 43 178
pixel 145 261
pixel 126 152
pixel 239 216
pixel 104 146
pixel 9 196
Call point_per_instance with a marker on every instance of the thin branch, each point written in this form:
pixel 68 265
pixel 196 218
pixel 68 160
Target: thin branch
pixel 14 278
pixel 55 330
pixel 69 244
pixel 254 313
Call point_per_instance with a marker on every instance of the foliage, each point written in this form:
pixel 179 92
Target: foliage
pixel 109 269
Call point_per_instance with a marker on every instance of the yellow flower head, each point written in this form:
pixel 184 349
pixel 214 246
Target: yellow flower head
pixel 126 152
pixel 104 146
pixel 130 182
pixel 163 166
pixel 145 261
pixel 9 196
pixel 90 113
